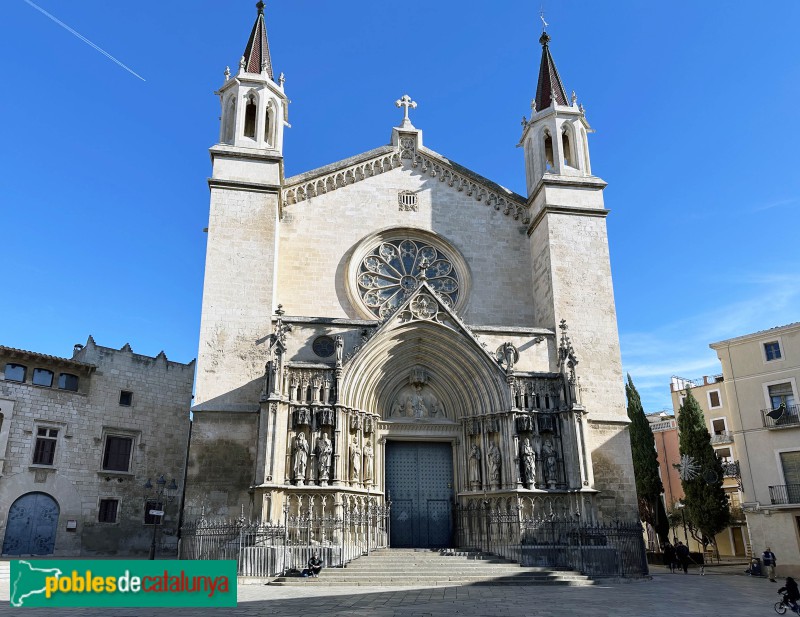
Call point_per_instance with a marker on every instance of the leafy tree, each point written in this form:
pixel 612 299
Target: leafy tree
pixel 706 501
pixel 645 466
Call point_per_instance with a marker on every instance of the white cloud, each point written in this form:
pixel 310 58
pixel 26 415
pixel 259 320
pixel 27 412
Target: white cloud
pixel 680 347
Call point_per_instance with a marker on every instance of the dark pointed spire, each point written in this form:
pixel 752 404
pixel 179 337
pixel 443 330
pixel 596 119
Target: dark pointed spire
pixel 257 51
pixel 549 81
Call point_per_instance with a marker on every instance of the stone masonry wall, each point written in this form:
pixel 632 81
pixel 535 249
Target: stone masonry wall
pixel 237 298
pixel 157 420
pixel 318 235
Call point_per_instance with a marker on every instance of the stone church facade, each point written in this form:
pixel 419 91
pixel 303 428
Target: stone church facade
pixel 394 327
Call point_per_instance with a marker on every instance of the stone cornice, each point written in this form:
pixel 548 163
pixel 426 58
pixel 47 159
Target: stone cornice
pixel 238 185
pixel 580 182
pixel 565 210
pixel 406 153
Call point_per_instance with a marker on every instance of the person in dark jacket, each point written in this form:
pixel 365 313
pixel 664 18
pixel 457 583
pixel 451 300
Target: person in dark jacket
pixel 314 566
pixel 669 557
pixel 792 593
pixel 682 552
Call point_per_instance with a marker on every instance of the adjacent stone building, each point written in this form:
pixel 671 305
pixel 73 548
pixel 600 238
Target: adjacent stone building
pixel 79 437
pixel 761 374
pixel 396 326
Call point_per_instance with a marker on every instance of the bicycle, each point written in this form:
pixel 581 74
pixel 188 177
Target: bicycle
pixel 780 607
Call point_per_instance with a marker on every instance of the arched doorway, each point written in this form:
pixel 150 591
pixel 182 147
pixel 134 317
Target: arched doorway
pixel 31 525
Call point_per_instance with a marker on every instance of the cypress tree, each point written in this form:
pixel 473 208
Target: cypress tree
pixel 645 465
pixel 705 499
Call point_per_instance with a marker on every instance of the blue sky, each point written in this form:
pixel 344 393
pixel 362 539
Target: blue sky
pixel 103 194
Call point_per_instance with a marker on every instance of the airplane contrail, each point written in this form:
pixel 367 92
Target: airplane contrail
pixel 84 39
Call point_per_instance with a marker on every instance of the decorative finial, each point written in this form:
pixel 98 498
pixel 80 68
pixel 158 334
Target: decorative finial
pixel 242 63
pixel 281 80
pixel 279 311
pixel 227 73
pixel 533 106
pixel 263 65
pixel 524 122
pixel 406 102
pixel 260 7
pixel 544 39
pixel 544 23
pixel 582 110
pixel 553 96
pixel 574 97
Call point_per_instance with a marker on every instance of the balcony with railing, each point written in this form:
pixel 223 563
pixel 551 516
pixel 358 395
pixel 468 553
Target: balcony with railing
pixel 784 494
pixel 730 469
pixel 785 416
pixel 722 437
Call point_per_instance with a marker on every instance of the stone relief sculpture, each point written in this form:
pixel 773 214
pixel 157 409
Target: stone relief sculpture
pixel 493 459
pixel 526 456
pixel 474 468
pixel 415 400
pixel 369 456
pixel 355 461
pixel 324 451
pixel 549 459
pixel 507 355
pixel 300 458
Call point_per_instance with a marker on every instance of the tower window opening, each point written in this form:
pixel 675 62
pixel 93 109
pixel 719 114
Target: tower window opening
pixel 548 152
pixel 267 126
pixel 569 158
pixel 250 117
pixel 229 114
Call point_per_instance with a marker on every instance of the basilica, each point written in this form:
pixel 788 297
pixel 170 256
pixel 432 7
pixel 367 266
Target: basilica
pixel 393 329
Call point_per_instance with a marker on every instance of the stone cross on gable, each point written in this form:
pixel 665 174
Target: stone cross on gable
pixel 406 102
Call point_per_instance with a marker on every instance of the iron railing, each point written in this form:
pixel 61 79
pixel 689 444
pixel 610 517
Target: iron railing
pixel 598 550
pixel 783 416
pixel 784 494
pixel 266 550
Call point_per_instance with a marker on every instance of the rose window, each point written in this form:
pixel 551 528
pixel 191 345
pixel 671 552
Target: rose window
pixel 393 270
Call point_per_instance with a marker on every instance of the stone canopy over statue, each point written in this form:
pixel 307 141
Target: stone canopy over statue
pixel 416 400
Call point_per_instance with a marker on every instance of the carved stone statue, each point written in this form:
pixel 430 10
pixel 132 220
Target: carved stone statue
pixel 369 456
pixel 324 451
pixel 494 458
pixel 355 461
pixel 549 459
pixel 475 468
pixel 526 455
pixel 300 458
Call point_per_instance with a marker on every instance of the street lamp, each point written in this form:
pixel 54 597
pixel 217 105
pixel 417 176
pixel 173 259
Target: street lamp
pixel 680 505
pixel 158 496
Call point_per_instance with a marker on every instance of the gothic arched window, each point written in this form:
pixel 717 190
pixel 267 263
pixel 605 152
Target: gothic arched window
pixel 250 116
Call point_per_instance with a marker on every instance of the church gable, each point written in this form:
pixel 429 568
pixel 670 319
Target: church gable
pixel 406 153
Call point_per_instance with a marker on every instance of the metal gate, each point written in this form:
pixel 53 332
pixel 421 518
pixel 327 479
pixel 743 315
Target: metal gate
pixel 31 525
pixel 419 480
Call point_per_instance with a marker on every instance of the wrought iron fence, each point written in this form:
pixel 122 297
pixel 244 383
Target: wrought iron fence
pixel 615 549
pixel 266 550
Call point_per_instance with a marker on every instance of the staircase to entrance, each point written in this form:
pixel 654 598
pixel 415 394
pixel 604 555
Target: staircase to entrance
pixel 426 567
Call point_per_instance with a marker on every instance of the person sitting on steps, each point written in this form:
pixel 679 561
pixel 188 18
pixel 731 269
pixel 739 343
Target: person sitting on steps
pixel 314 566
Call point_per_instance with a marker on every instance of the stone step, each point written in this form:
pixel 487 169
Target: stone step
pixel 409 567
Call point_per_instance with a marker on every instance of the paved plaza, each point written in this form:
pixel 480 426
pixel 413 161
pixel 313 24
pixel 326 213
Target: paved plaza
pixel 722 591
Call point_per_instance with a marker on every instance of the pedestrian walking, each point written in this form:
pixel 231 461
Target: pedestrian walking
pixel 682 552
pixel 669 556
pixel 770 561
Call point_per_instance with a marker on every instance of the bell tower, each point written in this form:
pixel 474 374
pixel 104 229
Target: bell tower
pixel 246 179
pixel 571 270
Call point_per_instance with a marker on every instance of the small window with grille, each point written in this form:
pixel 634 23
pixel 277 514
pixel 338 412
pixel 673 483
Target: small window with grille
pixel 407 201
